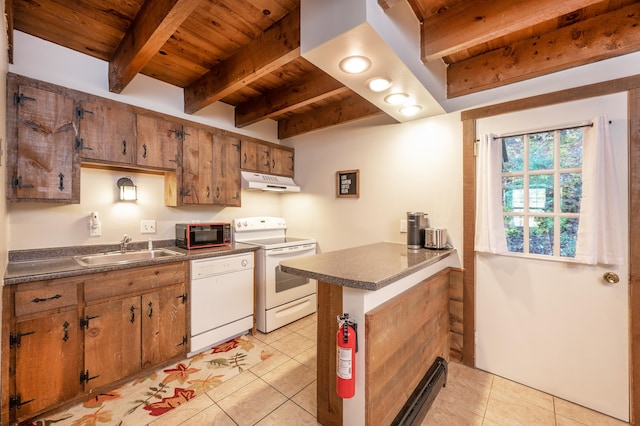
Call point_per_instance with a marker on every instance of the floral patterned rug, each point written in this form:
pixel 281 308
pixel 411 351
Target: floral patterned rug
pixel 145 399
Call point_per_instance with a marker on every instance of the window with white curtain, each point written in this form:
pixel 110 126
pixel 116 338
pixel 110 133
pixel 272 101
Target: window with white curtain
pixel 541 192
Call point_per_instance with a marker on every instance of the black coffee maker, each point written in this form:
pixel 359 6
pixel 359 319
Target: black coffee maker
pixel 416 224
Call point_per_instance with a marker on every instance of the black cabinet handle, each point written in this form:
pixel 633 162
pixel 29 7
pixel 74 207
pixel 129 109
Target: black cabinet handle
pixel 61 187
pixel 65 326
pixel 133 314
pixel 150 309
pixel 46 299
pixel 208 191
pixel 144 148
pixel 124 147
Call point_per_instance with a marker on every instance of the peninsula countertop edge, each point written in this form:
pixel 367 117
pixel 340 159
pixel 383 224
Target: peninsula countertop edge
pixel 368 267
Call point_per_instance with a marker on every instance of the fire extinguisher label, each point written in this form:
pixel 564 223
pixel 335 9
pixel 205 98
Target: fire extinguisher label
pixel 345 357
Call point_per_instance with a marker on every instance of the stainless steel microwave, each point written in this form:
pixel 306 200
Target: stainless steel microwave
pixel 202 235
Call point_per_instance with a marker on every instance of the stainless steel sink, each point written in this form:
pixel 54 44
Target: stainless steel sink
pixel 115 258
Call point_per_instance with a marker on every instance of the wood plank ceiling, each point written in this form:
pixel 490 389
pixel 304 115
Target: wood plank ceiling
pixel 246 53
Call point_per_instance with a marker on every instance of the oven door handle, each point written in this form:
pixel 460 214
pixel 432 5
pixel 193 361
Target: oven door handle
pixel 297 251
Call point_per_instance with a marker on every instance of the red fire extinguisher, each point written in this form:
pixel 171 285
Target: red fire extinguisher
pixel 347 346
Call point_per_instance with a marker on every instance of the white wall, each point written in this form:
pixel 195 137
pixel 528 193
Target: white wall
pixel 414 166
pixel 38 225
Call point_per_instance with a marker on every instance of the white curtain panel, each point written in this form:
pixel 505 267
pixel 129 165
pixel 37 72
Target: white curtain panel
pixel 599 235
pixel 490 236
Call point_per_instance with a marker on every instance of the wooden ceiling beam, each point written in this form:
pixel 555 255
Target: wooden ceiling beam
pixel 275 47
pixel 154 24
pixel 314 86
pixel 349 109
pixel 605 36
pixel 473 22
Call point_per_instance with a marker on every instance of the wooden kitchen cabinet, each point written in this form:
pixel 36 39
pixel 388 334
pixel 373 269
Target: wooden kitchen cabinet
pixel 282 161
pixel 41 161
pixel 226 170
pixel 197 167
pixel 163 325
pixel 70 337
pixel 43 322
pixel 210 170
pixel 264 157
pixel 111 341
pixel 106 132
pixel 136 320
pixel 157 143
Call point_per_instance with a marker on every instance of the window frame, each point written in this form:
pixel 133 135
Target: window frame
pixel 527 215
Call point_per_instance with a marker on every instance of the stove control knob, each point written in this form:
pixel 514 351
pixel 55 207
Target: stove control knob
pixel 244 262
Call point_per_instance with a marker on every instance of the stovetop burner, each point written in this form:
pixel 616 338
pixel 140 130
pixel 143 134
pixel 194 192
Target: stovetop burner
pixel 266 232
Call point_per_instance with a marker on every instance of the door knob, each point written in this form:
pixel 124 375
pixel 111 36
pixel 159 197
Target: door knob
pixel 611 277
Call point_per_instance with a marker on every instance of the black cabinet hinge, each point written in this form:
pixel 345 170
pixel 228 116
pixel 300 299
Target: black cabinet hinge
pixel 18 99
pixel 16 401
pixel 84 377
pixel 16 182
pixel 184 341
pixel 84 322
pixel 183 297
pixel 80 112
pixel 16 339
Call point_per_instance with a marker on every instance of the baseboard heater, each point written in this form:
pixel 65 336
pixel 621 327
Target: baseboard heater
pixel 416 407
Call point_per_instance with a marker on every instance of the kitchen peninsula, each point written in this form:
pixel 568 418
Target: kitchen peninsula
pixel 400 300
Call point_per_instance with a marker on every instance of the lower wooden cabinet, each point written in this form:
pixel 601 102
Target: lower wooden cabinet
pixel 46 354
pixel 111 342
pixel 66 338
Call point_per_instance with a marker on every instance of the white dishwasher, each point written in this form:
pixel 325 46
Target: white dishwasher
pixel 221 299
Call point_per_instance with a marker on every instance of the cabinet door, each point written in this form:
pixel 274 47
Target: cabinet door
pixel 106 133
pixel 197 167
pixel 44 166
pixel 282 161
pixel 163 325
pixel 226 170
pixel 47 364
pixel 111 341
pixel 158 142
pixel 249 155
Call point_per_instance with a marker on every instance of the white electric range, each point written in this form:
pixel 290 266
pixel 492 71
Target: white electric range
pixel 281 297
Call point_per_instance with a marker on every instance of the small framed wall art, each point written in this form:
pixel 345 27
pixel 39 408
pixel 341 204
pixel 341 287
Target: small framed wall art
pixel 348 184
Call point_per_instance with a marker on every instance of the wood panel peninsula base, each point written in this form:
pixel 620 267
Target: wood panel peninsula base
pixel 400 300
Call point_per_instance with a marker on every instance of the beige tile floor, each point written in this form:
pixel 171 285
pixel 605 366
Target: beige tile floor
pixel 282 391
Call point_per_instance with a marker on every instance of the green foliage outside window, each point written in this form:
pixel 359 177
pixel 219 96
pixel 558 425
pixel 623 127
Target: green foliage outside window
pixel 542 190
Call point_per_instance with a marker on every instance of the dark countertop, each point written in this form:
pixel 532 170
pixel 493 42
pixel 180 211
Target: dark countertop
pixel 45 264
pixel 369 267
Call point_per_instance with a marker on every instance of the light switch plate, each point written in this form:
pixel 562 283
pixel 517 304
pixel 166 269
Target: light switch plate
pixel 403 225
pixel 148 226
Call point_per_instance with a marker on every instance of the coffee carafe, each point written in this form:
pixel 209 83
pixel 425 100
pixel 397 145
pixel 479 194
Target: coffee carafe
pixel 416 223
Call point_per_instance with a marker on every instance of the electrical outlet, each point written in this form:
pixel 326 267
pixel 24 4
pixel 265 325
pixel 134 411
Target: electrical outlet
pixel 95 230
pixel 148 226
pixel 403 225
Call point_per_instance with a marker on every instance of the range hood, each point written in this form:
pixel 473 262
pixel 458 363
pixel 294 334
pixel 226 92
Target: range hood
pixel 261 181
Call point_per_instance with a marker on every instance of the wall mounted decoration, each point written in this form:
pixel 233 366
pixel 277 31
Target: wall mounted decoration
pixel 348 184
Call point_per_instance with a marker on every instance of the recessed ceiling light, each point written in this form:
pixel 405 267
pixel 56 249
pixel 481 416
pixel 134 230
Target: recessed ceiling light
pixel 396 98
pixel 379 84
pixel 355 64
pixel 410 110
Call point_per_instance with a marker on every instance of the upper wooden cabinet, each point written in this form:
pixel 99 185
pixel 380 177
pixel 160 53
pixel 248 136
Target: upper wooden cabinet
pixel 282 161
pixel 226 170
pixel 265 157
pixel 197 167
pixel 158 141
pixel 106 132
pixel 52 130
pixel 41 161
